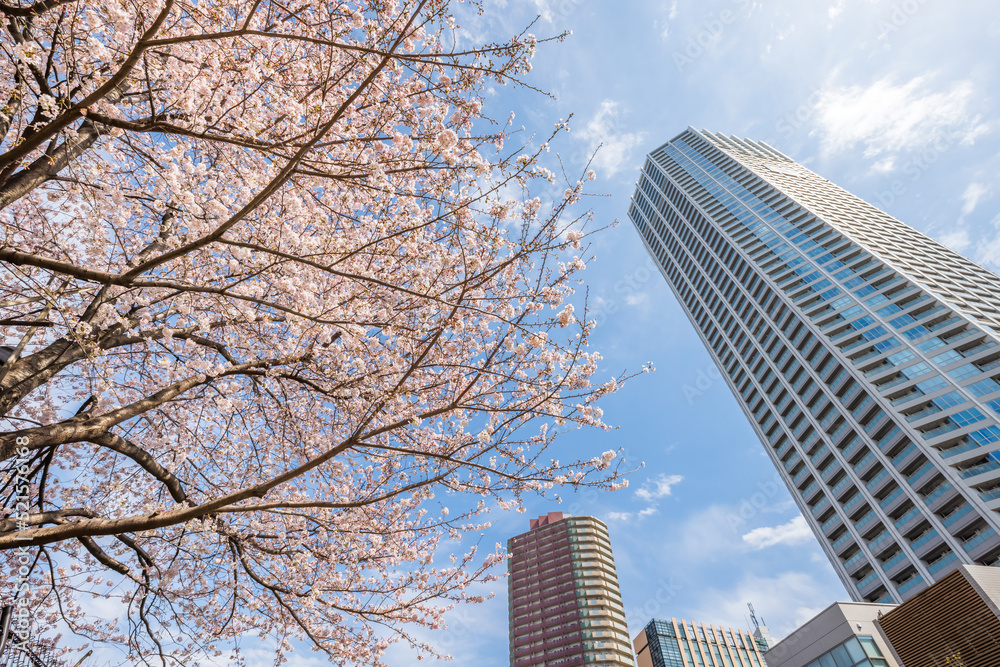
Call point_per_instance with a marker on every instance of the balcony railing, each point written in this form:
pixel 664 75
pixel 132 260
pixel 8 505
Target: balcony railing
pixel 892 562
pixel 853 447
pixel 947 427
pixel 941 325
pixel 879 540
pixel 888 437
pixel 841 541
pixel 940 563
pixel 938 492
pixel 919 473
pixel 898 458
pixel 979 470
pixel 923 413
pixel 888 500
pixel 909 584
pixel 924 539
pixel 955 450
pixel 978 538
pixel 957 514
pixel 864 583
pixel 907 397
pixel 874 481
pixel 840 485
pixel 903 520
pixel 854 560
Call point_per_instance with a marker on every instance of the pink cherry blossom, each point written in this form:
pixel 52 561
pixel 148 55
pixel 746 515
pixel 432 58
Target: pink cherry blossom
pixel 269 302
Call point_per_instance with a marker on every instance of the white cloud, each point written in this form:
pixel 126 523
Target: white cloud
pixel 658 488
pixel 603 133
pixel 887 118
pixel 837 9
pixel 971 197
pixel 784 601
pixel 637 299
pixel 664 29
pixel 705 536
pixel 651 491
pixel 543 9
pixel 628 516
pixel 884 165
pixel 957 239
pixel 664 26
pixel 795 531
pixel 989 251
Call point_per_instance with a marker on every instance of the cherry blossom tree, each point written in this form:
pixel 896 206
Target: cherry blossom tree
pixel 283 321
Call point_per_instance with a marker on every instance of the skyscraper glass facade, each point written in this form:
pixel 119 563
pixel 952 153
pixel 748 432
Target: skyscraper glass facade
pixel 864 354
pixel 564 603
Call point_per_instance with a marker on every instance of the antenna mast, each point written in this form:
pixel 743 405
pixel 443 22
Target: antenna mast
pixel 753 616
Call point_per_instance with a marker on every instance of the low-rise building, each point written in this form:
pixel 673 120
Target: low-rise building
pixel 679 643
pixel 845 634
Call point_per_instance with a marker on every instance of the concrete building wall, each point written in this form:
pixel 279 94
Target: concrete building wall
pixel 830 628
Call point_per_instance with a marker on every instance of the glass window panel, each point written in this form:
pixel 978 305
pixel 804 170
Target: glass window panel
pixel 841 657
pixel 871 648
pixel 983 387
pixel 854 649
pixel 931 344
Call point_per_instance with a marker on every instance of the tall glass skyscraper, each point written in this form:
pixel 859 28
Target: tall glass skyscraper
pixel 563 599
pixel 864 354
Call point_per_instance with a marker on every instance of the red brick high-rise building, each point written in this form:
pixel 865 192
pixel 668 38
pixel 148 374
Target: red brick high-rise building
pixel 565 608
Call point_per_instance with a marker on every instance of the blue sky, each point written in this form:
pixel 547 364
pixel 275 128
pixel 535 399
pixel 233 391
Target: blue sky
pixel 894 100
pixel 874 95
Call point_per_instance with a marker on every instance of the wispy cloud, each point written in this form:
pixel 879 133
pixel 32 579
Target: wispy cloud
pixel 661 487
pixel 628 516
pixel 886 117
pixel 543 9
pixel 604 133
pixel 637 299
pixel 972 196
pixel 650 492
pixel 989 250
pixel 957 239
pixel 794 532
